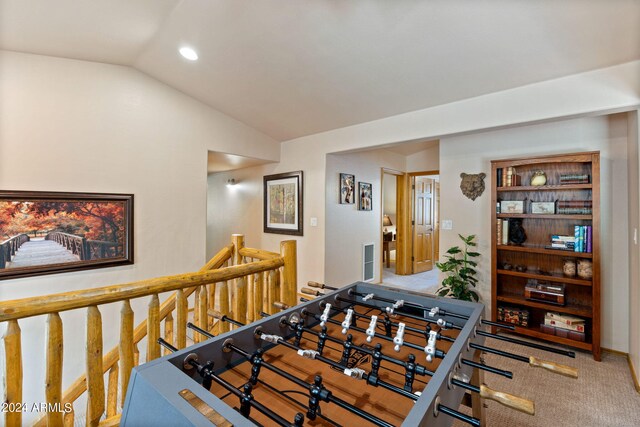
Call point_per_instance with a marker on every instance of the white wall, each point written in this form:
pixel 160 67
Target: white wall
pixel 634 251
pixel 347 227
pixel 425 160
pixel 472 154
pixel 70 125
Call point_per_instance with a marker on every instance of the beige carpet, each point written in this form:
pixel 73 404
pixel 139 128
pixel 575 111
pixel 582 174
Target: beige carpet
pixel 603 394
pixel 426 282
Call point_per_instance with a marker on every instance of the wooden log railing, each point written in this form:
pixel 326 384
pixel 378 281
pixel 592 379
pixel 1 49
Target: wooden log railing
pixel 234 271
pixel 9 247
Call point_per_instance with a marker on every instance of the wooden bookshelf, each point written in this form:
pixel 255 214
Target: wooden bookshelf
pixel 534 258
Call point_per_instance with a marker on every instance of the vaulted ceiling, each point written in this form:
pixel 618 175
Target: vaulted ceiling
pixel 291 68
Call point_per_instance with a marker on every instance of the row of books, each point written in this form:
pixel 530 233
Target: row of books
pixel 574 178
pixel 502 231
pixel 574 207
pixel 507 177
pixel 559 241
pixel 583 235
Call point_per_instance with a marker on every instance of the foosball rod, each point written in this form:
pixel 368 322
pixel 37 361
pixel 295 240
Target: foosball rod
pixel 325 360
pixel 443 323
pixel 327 396
pixel 506 399
pixel 363 414
pixel 352 292
pixel 507 374
pixel 245 397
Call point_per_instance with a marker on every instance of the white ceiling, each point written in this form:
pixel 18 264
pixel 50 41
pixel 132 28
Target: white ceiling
pixel 291 68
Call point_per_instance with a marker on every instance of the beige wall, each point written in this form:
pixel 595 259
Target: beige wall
pixel 347 228
pixel 634 230
pixel 70 125
pixel 426 160
pixel 472 154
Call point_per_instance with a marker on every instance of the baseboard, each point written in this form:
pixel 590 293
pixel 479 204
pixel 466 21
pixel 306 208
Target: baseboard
pixel 633 371
pixel 633 374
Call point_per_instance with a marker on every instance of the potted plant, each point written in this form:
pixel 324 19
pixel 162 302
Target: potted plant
pixel 460 269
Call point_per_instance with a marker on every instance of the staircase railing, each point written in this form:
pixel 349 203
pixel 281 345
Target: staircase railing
pixel 9 247
pixel 253 279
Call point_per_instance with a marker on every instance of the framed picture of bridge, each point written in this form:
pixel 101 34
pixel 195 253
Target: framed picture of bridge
pixel 283 203
pixel 54 232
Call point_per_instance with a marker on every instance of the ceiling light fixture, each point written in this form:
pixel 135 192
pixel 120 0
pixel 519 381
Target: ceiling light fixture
pixel 231 182
pixel 188 53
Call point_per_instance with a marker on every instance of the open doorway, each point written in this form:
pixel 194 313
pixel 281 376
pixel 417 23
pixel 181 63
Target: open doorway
pixel 410 230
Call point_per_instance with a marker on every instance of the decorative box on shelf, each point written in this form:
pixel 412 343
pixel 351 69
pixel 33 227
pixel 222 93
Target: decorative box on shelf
pixel 544 292
pixel 512 207
pixel 562 333
pixel 516 316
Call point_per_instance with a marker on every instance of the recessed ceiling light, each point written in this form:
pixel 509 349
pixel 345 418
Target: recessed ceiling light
pixel 188 53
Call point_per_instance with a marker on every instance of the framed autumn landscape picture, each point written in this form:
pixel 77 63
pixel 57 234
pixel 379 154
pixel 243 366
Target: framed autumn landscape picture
pixel 53 232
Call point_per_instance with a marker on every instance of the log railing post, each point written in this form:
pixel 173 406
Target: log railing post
pixel 13 372
pixel 224 306
pixel 201 307
pixel 274 289
pixel 181 319
pixel 211 300
pixel 53 373
pixel 196 313
pixel 95 379
pixel 112 391
pixel 289 287
pixel 168 331
pixel 250 300
pixel 126 346
pixel 265 292
pixel 153 329
pixel 258 296
pixel 240 287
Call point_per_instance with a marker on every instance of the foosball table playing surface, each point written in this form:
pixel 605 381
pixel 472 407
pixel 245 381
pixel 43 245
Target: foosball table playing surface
pixel 359 355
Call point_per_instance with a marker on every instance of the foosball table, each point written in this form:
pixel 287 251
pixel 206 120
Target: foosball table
pixel 359 355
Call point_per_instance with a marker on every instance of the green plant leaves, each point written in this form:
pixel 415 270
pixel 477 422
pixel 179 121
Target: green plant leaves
pixel 461 274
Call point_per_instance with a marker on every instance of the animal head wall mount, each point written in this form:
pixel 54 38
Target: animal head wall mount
pixel 472 185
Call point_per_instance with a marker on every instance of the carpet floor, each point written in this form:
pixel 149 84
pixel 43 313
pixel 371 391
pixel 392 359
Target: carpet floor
pixel 603 394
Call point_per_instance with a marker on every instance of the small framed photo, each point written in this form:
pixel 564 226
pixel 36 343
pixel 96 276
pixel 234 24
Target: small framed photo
pixel 512 207
pixel 365 196
pixel 55 232
pixel 347 189
pixel 283 203
pixel 548 208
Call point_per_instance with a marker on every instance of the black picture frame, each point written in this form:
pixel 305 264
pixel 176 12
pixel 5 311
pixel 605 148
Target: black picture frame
pixel 347 189
pixel 283 203
pixel 43 232
pixel 365 196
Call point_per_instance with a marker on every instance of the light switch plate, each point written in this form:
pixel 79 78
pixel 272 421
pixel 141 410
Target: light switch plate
pixel 314 221
pixel 447 224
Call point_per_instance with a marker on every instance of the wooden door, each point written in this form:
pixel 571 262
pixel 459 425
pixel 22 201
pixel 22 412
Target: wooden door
pixel 423 224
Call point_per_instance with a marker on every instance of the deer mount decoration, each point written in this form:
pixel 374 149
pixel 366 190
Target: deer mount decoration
pixel 472 185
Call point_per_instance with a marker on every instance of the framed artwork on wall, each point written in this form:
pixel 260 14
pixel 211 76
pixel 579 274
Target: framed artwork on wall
pixel 365 196
pixel 347 189
pixel 283 203
pixel 55 232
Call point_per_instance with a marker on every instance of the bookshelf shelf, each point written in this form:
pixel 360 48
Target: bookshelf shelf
pixel 535 332
pixel 507 285
pixel 534 249
pixel 564 187
pixel 544 216
pixel 543 277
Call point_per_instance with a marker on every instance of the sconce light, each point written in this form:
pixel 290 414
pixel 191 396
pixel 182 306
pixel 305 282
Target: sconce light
pixel 386 222
pixel 231 182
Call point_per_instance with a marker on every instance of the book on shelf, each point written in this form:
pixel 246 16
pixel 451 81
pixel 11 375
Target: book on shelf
pixel 507 177
pixel 574 179
pixel 499 177
pixel 505 232
pixel 565 318
pixel 562 242
pixel 574 207
pixel 499 231
pixel 583 238
pixel 552 322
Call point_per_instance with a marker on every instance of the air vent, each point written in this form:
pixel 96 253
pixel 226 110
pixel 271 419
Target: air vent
pixel 368 262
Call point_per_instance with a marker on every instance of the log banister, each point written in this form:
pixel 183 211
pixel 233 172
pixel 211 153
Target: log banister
pixel 28 307
pixel 256 268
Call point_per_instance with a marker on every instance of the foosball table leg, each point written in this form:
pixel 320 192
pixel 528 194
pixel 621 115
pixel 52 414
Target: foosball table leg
pixel 477 406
